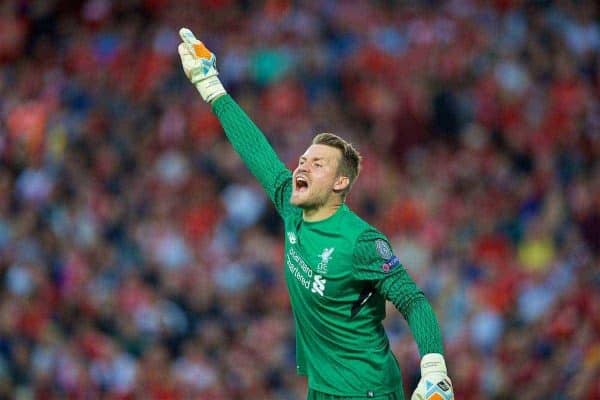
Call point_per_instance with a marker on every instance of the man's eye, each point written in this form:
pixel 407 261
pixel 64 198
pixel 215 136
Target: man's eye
pixel 318 165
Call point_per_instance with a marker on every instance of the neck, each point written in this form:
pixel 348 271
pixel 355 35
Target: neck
pixel 320 213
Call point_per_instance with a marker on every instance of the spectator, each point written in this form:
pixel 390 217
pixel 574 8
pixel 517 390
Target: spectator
pixel 138 259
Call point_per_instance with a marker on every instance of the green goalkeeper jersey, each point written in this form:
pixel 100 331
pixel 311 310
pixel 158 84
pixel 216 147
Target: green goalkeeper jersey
pixel 339 273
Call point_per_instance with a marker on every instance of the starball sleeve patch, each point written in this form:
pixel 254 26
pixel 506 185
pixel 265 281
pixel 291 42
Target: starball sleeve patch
pixel 384 250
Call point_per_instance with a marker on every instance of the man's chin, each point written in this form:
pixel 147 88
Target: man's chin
pixel 299 201
pixel 296 202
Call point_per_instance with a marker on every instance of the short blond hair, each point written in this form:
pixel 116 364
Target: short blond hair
pixel 350 162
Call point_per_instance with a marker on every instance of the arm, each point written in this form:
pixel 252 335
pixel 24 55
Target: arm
pixel 254 149
pixel 199 65
pixel 402 291
pixel 375 262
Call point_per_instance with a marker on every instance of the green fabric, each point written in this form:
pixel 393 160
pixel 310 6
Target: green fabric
pixel 398 287
pixel 314 395
pixel 330 266
pixel 340 355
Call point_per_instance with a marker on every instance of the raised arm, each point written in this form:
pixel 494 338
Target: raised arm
pixel 199 65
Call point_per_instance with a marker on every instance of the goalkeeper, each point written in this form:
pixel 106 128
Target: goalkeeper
pixel 339 270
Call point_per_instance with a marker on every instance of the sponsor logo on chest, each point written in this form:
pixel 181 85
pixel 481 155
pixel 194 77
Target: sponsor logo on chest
pixel 319 285
pixel 303 273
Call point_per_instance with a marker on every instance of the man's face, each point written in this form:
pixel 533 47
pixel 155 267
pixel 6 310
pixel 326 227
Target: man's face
pixel 315 176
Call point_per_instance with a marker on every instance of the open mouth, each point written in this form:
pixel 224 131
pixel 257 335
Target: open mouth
pixel 301 184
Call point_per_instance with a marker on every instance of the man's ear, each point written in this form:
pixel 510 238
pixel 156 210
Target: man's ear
pixel 341 183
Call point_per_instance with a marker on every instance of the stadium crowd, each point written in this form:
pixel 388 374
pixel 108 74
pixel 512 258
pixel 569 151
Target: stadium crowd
pixel 139 258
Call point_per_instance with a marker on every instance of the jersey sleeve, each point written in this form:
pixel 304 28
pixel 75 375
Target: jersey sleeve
pixel 375 261
pixel 256 152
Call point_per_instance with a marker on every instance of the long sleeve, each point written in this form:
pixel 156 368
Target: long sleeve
pixel 402 291
pixel 375 262
pixel 256 152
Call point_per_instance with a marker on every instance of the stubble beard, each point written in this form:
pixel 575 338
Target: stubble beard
pixel 311 203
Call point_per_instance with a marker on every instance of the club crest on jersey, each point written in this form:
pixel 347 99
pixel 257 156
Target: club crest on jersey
pixel 292 237
pixel 325 257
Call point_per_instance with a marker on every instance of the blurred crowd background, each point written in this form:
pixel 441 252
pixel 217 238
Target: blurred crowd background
pixel 139 259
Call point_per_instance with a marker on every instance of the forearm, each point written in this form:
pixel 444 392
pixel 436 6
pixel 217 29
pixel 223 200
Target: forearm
pixel 424 327
pixel 250 143
pixel 402 291
pixel 200 67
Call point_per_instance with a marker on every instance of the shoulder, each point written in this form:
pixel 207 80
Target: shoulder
pixel 369 242
pixel 358 227
pixel 373 255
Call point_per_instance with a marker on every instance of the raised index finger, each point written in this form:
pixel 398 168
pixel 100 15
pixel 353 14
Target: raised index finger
pixel 187 36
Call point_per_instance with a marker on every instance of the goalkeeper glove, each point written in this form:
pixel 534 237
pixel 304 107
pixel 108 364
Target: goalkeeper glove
pixel 200 66
pixel 434 383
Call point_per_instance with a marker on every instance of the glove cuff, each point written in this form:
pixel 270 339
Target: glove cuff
pixel 210 88
pixel 433 363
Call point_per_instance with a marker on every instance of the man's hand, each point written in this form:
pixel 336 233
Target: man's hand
pixel 434 383
pixel 200 66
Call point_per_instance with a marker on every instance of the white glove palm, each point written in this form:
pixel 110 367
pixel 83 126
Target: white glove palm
pixel 200 66
pixel 434 383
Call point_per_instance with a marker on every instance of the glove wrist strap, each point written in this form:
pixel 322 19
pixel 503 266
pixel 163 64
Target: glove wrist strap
pixel 433 363
pixel 210 88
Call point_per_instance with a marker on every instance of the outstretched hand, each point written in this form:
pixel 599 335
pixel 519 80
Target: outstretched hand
pixel 200 66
